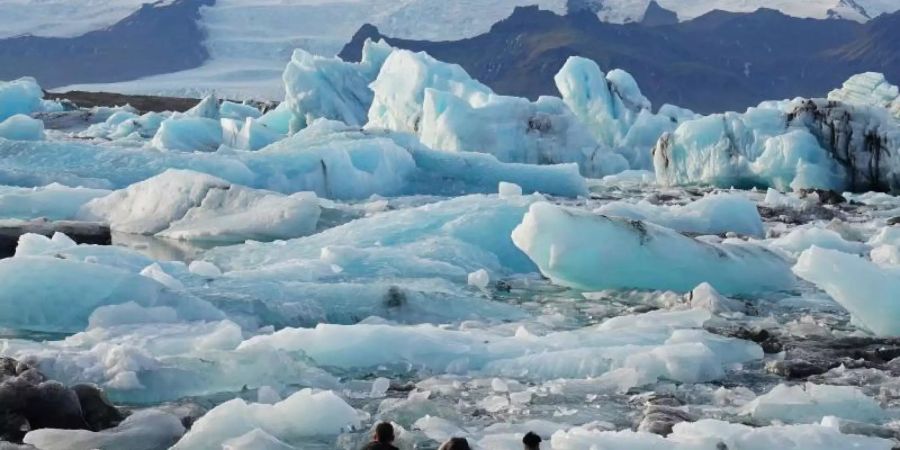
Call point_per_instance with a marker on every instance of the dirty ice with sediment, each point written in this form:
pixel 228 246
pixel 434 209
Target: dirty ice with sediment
pixel 395 241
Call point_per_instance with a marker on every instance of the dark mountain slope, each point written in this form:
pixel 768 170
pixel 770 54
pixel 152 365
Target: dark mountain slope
pixel 719 61
pixel 153 40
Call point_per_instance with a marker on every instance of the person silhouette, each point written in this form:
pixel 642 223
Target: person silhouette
pixel 456 443
pixel 531 441
pixel 382 438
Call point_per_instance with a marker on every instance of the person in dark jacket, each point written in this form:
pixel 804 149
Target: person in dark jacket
pixel 531 441
pixel 456 443
pixel 382 438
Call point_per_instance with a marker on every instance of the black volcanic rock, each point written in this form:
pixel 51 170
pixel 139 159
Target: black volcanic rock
pixel 719 61
pixel 656 15
pixel 155 39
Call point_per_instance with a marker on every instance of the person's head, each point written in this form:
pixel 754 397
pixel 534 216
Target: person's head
pixel 384 433
pixel 456 443
pixel 532 441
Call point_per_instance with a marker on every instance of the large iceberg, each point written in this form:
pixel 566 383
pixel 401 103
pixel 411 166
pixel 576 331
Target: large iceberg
pixel 448 110
pixel 187 205
pixel 54 201
pixel 593 252
pixel 321 87
pixel 615 111
pixel 870 88
pixel 798 144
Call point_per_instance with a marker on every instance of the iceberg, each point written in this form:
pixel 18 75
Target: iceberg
pixel 863 288
pixel 303 415
pixel 47 282
pixel 328 158
pixel 713 214
pixel 22 128
pixel 615 111
pixel 806 237
pixel 186 205
pixel 54 201
pixel 448 110
pixel 185 133
pixel 124 124
pixel 785 145
pixel 22 96
pixel 238 111
pixel 320 87
pixel 595 252
pixel 870 88
pixel 143 430
pixel 810 403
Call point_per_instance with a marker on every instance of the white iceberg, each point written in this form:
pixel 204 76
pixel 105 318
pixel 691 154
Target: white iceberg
pixel 615 111
pixel 22 128
pixel 810 403
pixel 300 416
pixel 185 133
pixel 321 87
pixel 806 237
pixel 594 252
pixel 713 214
pixel 54 201
pixel 869 88
pixel 143 430
pixel 186 205
pixel 866 290
pixel 448 110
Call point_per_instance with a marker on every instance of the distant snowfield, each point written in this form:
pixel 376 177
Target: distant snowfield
pixel 250 41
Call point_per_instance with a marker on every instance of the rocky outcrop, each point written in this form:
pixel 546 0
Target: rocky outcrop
pixel 29 401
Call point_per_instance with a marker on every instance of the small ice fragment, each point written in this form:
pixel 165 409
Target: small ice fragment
pixel 380 387
pixel 509 190
pixel 479 278
pixel 204 269
pixel 267 395
pixel 499 385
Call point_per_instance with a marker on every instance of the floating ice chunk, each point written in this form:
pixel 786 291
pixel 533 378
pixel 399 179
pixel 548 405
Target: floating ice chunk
pixel 885 255
pixel 124 124
pixel 204 269
pixel 320 87
pixel 157 362
pixel 705 297
pixel 713 214
pixel 131 313
pixel 866 290
pixel 48 284
pixel 187 205
pixel 810 403
pixel 889 235
pixel 22 96
pixel 479 278
pixel 615 111
pixel 143 430
pixel 249 135
pixel 448 110
pixel 592 252
pixel 22 128
pixel 188 134
pixel 54 201
pixel 256 440
pixel 710 433
pixel 869 88
pixel 237 111
pixel 155 272
pixel 267 395
pixel 304 414
pixel 208 108
pixel 380 387
pixel 509 190
pixel 803 238
pixel 797 144
pixel 776 199
pixel 278 119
